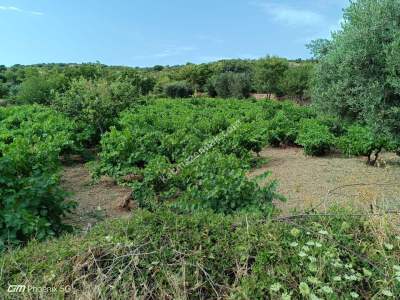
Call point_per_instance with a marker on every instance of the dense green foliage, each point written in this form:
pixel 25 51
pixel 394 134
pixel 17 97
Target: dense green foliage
pixel 179 89
pixel 196 152
pixel 39 89
pixel 204 255
pixel 234 78
pixel 96 103
pixel 296 81
pixel 205 228
pixel 230 85
pixel 31 202
pixel 361 141
pixel 269 73
pixel 283 128
pixel 315 137
pixel 357 77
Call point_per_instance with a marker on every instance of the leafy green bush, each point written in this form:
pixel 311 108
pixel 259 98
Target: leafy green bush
pixel 283 126
pixel 361 141
pixel 95 104
pixel 295 81
pixel 32 203
pixel 281 130
pixel 4 90
pixel 140 84
pixel 210 87
pixel 192 144
pixel 39 89
pixel 203 255
pixel 180 89
pixel 315 137
pixel 336 126
pixel 230 85
pixel 218 182
pixel 196 75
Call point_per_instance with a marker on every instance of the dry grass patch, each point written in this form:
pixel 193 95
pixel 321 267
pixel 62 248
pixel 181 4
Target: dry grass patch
pixel 322 182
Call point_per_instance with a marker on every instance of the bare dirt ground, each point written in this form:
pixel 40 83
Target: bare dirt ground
pixel 321 182
pixel 306 182
pixel 96 201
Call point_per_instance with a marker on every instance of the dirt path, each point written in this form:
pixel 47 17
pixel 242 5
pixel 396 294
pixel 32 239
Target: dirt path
pixel 96 202
pixel 307 181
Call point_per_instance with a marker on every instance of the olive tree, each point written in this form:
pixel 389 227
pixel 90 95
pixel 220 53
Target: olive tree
pixel 358 75
pixel 230 85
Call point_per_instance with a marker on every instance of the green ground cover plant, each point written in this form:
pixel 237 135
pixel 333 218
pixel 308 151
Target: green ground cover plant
pixel 315 137
pixel 195 151
pixel 204 255
pixel 32 204
pixel 362 141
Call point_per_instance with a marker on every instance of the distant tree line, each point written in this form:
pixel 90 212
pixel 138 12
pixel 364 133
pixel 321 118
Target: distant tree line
pixel 234 78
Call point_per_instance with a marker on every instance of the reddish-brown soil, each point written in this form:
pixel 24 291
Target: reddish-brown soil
pixel 96 201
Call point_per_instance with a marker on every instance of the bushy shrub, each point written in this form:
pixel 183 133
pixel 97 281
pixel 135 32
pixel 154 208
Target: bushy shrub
pixel 295 82
pixel 283 126
pixel 296 112
pixel 39 89
pixel 336 126
pixel 140 84
pixel 196 75
pixel 241 86
pixel 230 85
pixel 315 137
pixel 32 203
pixel 221 84
pixel 180 89
pixel 247 136
pixel 281 130
pixel 4 90
pixel 361 141
pixel 192 144
pixel 210 87
pixel 95 104
pixel 218 182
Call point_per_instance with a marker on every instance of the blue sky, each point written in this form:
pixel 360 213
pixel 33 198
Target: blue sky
pixel 150 32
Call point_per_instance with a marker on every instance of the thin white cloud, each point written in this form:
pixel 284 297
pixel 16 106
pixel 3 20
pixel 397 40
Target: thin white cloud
pixel 174 51
pixel 290 15
pixel 211 58
pixel 169 51
pixel 217 58
pixel 19 10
